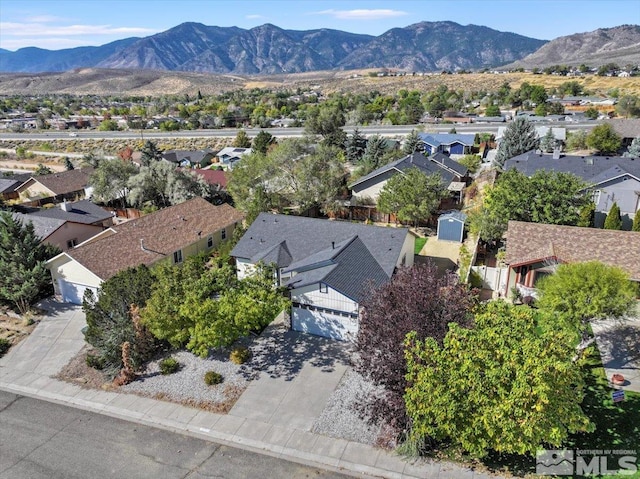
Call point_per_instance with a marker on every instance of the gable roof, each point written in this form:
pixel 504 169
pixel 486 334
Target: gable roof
pixel 529 242
pixel 233 152
pixel 8 185
pixel 417 160
pixel 64 181
pixel 591 169
pixel 454 214
pixel 42 227
pixel 152 237
pixel 305 237
pixel 349 268
pixel 193 156
pixel 212 176
pixel 626 128
pixel 437 139
pixel 83 211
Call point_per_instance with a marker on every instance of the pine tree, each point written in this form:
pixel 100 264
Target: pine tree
pixel 412 143
pixel 636 222
pixel 23 274
pixel 67 163
pixel 548 141
pixel 355 146
pixel 519 137
pixel 587 215
pixel 242 140
pixel 634 149
pixel 613 220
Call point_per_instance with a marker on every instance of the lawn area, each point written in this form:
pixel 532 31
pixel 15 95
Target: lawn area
pixel 617 425
pixel 420 242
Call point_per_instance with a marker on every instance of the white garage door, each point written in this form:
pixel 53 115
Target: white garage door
pixel 73 292
pixel 323 323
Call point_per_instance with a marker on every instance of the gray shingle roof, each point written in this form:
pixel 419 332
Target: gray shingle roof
pixel 42 227
pixel 591 169
pixel 305 237
pixel 437 139
pixel 83 212
pixel 417 160
pixel 8 185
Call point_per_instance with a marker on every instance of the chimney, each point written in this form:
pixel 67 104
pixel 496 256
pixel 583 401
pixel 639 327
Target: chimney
pixel 333 245
pixel 64 206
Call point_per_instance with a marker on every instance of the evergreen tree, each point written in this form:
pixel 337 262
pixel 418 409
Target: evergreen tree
pixel 548 141
pixel 412 143
pixel 67 164
pixel 42 170
pixel 242 140
pixel 150 153
pixel 374 152
pixel 634 149
pixel 636 222
pixel 23 274
pixel 519 137
pixel 613 220
pixel 587 215
pixel 356 145
pixel 262 142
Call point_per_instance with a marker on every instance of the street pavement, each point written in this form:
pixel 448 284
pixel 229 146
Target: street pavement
pixel 294 396
pixel 40 439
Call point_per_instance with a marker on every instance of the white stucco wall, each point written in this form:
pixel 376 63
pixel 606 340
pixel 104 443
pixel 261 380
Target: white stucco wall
pixel 64 267
pixel 407 251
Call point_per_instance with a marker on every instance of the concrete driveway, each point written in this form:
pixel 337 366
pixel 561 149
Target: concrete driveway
pixel 619 345
pixel 294 375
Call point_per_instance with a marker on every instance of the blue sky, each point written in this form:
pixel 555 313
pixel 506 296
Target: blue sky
pixel 55 24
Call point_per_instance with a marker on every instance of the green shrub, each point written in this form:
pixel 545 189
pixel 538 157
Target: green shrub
pixel 4 346
pixel 212 378
pixel 240 355
pixel 169 365
pixel 94 361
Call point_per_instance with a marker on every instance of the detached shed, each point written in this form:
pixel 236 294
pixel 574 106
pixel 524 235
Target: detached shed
pixel 451 226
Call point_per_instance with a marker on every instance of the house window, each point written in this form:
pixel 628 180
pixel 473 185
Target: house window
pixel 324 288
pixel 72 242
pixel 210 242
pixel 177 257
pixel 223 233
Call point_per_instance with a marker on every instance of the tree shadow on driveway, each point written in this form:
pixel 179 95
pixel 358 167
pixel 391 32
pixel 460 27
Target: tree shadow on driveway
pixel 281 353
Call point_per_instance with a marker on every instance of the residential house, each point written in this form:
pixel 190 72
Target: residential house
pixel 213 176
pixel 610 178
pixel 559 133
pixel 67 225
pixel 533 250
pixel 327 266
pixel 9 184
pixel 229 156
pixel 626 129
pixel 168 235
pixel 369 186
pixel 190 158
pixel 65 185
pixel 449 143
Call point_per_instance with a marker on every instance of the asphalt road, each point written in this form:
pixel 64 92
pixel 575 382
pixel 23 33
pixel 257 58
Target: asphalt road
pixel 384 130
pixel 39 439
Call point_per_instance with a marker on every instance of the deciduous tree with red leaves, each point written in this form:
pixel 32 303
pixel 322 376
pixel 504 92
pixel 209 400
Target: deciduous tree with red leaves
pixel 416 299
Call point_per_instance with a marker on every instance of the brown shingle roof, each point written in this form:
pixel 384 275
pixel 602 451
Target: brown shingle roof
pixel 626 128
pixel 161 233
pixel 65 181
pixel 528 242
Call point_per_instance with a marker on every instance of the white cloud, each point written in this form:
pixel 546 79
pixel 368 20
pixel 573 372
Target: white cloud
pixel 362 14
pixel 45 19
pixel 42 30
pixel 254 17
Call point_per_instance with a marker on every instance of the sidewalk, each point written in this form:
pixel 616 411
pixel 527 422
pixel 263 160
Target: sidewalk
pixel 28 368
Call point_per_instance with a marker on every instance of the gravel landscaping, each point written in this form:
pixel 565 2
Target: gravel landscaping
pixel 187 385
pixel 340 418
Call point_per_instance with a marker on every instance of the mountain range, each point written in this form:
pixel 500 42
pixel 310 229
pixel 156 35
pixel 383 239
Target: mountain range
pixel 268 49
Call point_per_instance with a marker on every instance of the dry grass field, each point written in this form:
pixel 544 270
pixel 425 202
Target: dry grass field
pixel 156 83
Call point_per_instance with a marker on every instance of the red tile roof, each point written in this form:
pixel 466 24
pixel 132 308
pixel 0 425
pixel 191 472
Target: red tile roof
pixel 160 233
pixel 529 242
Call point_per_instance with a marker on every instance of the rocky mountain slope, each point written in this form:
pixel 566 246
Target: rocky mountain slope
pixel 619 45
pixel 268 49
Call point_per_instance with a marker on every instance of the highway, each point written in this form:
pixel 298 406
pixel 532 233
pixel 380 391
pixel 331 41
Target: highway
pixel 383 130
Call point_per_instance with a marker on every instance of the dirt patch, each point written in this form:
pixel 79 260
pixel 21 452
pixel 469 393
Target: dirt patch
pixel 15 328
pixel 79 373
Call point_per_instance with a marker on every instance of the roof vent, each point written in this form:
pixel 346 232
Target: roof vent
pixel 333 245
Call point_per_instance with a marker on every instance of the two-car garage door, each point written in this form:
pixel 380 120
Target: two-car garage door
pixel 321 322
pixel 73 292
